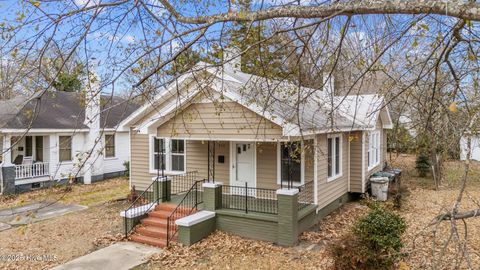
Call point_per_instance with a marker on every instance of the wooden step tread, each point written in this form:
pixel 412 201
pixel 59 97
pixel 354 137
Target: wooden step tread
pixel 154 221
pixel 153 231
pixel 158 242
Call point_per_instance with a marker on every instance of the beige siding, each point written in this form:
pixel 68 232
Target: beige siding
pixel 356 162
pixel 226 121
pixel 330 191
pixel 267 165
pixel 139 164
pixel 383 152
pixel 309 162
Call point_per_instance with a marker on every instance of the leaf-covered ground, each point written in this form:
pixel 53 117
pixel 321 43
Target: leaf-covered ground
pixel 77 234
pixel 69 236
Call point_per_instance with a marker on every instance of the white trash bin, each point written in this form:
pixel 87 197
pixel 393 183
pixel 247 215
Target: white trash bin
pixel 380 188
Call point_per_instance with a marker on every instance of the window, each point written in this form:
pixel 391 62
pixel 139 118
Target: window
pixel 159 153
pixel 28 146
pixel 373 149
pixel 291 162
pixel 170 153
pixel 178 155
pixel 65 143
pixel 39 148
pixel 110 145
pixel 334 157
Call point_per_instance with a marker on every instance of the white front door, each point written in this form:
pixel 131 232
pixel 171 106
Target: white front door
pixel 243 164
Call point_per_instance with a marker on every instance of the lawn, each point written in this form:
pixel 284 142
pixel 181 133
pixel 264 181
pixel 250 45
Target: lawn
pixel 72 235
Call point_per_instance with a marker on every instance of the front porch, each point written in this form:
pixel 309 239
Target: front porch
pixel 29 155
pixel 258 213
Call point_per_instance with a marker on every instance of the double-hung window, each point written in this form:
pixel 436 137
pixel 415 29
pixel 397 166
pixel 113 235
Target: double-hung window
pixel 177 155
pixel 109 145
pixel 334 157
pixel 373 149
pixel 65 143
pixel 159 153
pixel 168 155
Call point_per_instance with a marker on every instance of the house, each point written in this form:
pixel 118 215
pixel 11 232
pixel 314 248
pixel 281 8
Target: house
pixel 55 136
pixel 255 142
pixel 474 139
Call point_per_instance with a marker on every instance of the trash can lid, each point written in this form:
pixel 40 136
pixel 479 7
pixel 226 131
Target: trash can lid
pixel 379 180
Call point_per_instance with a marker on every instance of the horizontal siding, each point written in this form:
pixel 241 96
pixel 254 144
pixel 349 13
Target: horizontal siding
pixel 356 162
pixel 309 162
pixel 330 191
pixel 139 164
pixel 267 165
pixel 227 120
pixel 383 152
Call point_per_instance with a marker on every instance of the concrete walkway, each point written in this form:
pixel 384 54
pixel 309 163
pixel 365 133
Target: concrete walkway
pixel 119 256
pixel 35 212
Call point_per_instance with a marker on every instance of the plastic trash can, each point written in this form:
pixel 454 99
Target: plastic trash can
pixel 389 175
pixel 380 188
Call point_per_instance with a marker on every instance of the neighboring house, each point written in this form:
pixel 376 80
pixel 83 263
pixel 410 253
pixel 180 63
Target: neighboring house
pixel 49 138
pixel 474 139
pixel 242 130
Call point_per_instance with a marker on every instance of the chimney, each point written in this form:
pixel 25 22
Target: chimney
pixel 232 59
pixel 93 167
pixel 328 84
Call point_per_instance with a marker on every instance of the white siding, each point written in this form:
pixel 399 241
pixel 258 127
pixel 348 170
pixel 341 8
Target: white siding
pixel 122 154
pixel 474 146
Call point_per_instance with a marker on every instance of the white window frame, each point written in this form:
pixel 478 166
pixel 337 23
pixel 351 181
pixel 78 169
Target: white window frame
pixel 340 157
pixel 374 138
pixel 279 164
pixel 168 155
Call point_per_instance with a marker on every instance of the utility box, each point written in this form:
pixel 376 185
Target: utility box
pixel 380 188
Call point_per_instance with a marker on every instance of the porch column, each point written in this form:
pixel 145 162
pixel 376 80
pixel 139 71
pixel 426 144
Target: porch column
pixel 212 196
pixel 6 151
pixel 7 169
pixel 53 155
pixel 287 216
pixel 162 190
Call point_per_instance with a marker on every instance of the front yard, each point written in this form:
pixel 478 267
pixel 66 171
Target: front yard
pixel 79 233
pixel 69 236
pixel 420 205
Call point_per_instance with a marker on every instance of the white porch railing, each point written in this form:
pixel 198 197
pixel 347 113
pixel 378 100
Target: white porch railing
pixel 32 170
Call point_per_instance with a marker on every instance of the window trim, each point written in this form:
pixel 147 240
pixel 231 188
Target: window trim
pixel 60 149
pixel 279 164
pixel 114 146
pixel 168 154
pixel 376 150
pixel 340 174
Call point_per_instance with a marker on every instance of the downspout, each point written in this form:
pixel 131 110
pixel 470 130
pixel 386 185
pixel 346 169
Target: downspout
pixel 363 162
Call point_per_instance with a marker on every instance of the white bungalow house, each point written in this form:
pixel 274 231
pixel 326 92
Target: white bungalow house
pixel 60 135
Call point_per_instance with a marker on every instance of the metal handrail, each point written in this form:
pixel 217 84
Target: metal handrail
pixel 306 195
pixel 145 195
pixel 183 209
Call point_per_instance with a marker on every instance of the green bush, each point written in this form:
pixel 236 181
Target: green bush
pixel 422 164
pixel 375 242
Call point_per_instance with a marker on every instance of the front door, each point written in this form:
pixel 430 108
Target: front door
pixel 243 164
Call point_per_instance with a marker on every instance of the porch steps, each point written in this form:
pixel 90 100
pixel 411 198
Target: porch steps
pixel 153 229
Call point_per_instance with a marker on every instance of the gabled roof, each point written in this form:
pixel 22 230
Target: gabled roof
pixel 60 110
pixel 298 110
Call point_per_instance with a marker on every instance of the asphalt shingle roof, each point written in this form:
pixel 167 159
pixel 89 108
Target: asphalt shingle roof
pixel 60 110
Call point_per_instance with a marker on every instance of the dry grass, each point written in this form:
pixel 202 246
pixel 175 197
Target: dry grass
pixel 72 235
pixel 87 195
pixel 428 245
